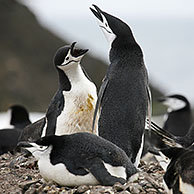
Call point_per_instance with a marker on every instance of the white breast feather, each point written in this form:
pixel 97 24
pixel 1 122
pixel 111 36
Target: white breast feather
pixel 59 174
pixel 79 107
pixel 185 188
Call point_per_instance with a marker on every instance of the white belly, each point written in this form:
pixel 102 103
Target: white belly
pixel 185 188
pixel 59 174
pixel 78 112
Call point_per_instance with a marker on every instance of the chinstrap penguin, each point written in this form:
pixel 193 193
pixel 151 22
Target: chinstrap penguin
pixel 80 158
pixel 179 170
pixel 72 107
pixel 178 119
pixel 124 94
pixel 18 117
pixel 9 137
pixel 166 139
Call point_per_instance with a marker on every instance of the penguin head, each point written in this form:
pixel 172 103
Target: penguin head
pixel 40 148
pixel 19 116
pixel 175 102
pixel 113 28
pixel 67 56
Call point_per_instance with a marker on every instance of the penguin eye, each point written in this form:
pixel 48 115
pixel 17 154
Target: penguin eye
pixel 106 24
pixel 67 58
pixel 41 147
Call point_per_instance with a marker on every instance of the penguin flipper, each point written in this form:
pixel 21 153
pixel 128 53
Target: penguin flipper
pixel 99 100
pixel 99 171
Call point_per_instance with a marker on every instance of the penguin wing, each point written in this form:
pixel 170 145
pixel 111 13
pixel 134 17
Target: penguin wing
pixel 33 131
pixel 99 100
pixel 101 173
pixel 54 110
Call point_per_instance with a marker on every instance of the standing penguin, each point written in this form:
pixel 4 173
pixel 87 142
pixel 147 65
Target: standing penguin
pixel 124 93
pixel 178 119
pixel 72 107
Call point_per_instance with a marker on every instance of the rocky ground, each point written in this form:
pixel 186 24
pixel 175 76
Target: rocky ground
pixel 19 174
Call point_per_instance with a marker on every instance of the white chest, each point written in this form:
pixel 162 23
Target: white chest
pixel 79 108
pixel 59 174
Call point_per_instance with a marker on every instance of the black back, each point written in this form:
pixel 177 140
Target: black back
pixel 179 122
pixel 125 100
pixel 9 139
pixel 77 150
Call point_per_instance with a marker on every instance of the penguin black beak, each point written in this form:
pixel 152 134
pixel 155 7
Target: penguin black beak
pixel 77 52
pixel 24 144
pixel 97 12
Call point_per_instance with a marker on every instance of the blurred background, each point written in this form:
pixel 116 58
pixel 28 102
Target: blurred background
pixel 32 31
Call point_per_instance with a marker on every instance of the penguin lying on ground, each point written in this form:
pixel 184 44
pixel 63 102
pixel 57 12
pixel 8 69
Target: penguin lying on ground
pixel 179 175
pixel 72 107
pixel 19 118
pixel 80 158
pixel 124 93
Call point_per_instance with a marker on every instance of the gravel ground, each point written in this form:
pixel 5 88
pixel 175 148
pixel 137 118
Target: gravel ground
pixel 19 174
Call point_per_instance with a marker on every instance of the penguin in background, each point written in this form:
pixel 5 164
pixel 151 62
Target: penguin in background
pixel 124 94
pixel 179 151
pixel 79 159
pixel 179 176
pixel 178 118
pixel 18 117
pixel 72 107
pixel 171 140
pixel 9 136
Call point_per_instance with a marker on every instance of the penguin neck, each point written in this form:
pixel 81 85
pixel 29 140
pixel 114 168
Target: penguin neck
pixel 127 49
pixel 69 76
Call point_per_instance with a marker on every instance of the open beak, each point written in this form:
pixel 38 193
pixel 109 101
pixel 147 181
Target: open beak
pixel 97 12
pixel 24 144
pixel 77 52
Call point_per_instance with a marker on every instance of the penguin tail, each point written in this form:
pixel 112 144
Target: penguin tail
pixel 165 136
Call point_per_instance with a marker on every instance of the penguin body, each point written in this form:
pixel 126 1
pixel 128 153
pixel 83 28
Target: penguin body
pixel 179 176
pixel 179 115
pixel 123 96
pixel 9 137
pixel 80 158
pixel 71 109
pixel 17 116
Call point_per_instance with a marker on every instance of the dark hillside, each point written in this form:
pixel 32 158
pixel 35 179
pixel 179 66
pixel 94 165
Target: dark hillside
pixel 27 75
